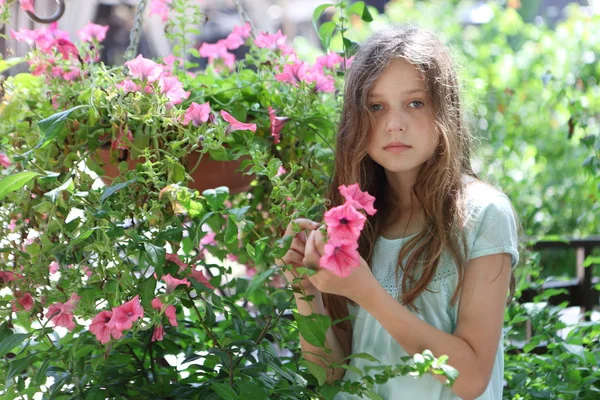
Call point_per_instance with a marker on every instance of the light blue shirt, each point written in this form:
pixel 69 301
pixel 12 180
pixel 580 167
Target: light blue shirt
pixel 491 228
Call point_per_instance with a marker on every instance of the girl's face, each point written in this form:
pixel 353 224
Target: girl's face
pixel 403 136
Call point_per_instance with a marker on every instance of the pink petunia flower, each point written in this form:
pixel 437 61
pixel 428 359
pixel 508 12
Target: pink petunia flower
pixel 72 74
pixel 128 86
pixel 119 142
pixel 217 51
pixel 158 334
pixel 170 61
pixel 24 300
pixel 144 69
pixel 126 314
pixel 357 198
pixel 197 114
pixel 323 83
pixel 344 223
pixel 174 258
pixel 4 160
pixel 171 87
pixel 274 41
pixel 92 32
pixel 65 47
pixel 340 258
pixel 198 275
pixel 86 270
pixel 281 171
pixel 237 37
pixel 293 73
pixel 156 303
pixel 235 125
pixel 277 124
pixel 172 283
pixel 61 314
pixel 53 267
pixel 208 239
pixel 330 61
pixel 171 314
pixel 99 327
pixel 160 8
pixel 7 276
pixel 27 5
pixel 12 226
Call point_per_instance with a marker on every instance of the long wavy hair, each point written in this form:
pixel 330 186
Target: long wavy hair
pixel 439 185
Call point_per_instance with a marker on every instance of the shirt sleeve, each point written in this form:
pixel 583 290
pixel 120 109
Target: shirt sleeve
pixel 496 230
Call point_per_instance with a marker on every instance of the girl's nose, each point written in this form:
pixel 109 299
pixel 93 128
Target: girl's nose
pixel 396 123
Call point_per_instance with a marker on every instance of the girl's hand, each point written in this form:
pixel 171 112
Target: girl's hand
pixel 355 286
pixel 296 253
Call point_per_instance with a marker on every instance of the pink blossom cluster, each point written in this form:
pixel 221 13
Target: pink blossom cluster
pixel 344 224
pixel 116 321
pixel 171 314
pixel 53 42
pixel 61 314
pixel 220 50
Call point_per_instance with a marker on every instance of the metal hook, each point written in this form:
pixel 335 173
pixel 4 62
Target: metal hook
pixel 59 13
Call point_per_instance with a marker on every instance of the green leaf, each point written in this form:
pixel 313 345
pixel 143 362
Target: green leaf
pixel 231 230
pixel 53 194
pixel 326 32
pixel 18 366
pixel 316 370
pixel 363 356
pixel 224 391
pixel 15 182
pixel 258 280
pixel 11 341
pixel 40 376
pixel 591 260
pixel 156 255
pixel 96 393
pixel 52 126
pixel 83 236
pixel 112 189
pixel 216 197
pixel 313 327
pixel 361 9
pixel 252 390
pixel 147 288
pixel 11 62
pixel 317 14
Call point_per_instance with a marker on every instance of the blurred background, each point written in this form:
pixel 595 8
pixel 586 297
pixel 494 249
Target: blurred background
pixel 293 17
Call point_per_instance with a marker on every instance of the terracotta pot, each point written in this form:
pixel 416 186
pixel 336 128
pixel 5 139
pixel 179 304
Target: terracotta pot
pixel 209 174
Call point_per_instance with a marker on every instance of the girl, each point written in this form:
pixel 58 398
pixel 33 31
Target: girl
pixel 437 257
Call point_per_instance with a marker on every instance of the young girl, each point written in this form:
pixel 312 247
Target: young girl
pixel 437 257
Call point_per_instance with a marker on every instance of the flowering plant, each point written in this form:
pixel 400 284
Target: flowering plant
pixel 145 287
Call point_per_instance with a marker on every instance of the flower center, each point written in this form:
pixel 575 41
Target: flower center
pixel 344 221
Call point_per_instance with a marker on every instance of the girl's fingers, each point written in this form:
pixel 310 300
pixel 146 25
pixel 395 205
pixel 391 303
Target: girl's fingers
pixel 303 223
pixel 311 257
pixel 294 259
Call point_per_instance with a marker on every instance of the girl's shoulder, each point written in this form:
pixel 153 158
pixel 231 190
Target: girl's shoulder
pixel 481 198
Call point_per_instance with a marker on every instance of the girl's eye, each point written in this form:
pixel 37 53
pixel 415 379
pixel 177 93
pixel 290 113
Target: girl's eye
pixel 376 107
pixel 416 104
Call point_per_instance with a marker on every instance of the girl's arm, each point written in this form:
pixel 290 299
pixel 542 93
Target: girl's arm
pixel 471 349
pixel 335 339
